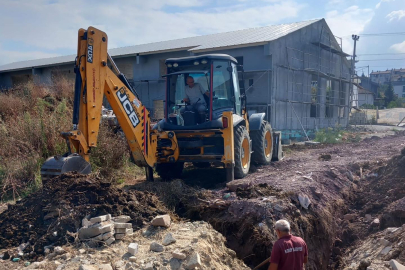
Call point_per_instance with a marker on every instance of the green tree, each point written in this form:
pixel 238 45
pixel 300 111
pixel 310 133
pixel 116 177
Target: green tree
pixel 389 94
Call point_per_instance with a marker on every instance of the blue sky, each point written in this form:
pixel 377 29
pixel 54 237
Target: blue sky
pixel 47 28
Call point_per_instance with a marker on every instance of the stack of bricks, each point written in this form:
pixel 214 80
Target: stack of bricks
pixel 122 227
pixel 98 229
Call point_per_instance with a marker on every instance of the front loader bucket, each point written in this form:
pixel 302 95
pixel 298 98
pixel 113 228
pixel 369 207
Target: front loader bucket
pixel 58 165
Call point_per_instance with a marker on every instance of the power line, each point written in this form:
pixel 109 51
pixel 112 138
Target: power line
pixel 380 34
pixel 391 59
pixel 380 54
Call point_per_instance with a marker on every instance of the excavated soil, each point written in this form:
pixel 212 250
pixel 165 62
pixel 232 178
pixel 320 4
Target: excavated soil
pixel 355 178
pixel 53 215
pixel 245 210
pixel 380 195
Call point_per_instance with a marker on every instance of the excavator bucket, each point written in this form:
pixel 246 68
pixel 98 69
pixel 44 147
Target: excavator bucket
pixel 58 165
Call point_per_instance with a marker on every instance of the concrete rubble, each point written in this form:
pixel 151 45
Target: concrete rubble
pixel 162 220
pixel 105 229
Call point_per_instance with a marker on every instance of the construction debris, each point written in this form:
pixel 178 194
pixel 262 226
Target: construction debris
pixel 104 229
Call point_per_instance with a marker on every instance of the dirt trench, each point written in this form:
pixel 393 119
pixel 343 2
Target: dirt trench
pixel 245 211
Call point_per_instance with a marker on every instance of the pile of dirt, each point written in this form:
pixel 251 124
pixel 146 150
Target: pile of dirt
pixel 52 215
pixel 379 203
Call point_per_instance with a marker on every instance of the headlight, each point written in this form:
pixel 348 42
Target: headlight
pixel 204 62
pixel 196 63
pixel 175 65
pixel 169 65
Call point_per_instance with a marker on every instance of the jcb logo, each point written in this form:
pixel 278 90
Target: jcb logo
pixel 90 51
pixel 122 96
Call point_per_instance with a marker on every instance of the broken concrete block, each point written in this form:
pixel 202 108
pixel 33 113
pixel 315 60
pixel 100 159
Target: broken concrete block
pixel 148 266
pixel 122 225
pixel 156 247
pixel 177 254
pixel 133 248
pixel 375 223
pixel 59 250
pixel 386 250
pixel 100 219
pixel 86 222
pixel 132 259
pixel 90 232
pixel 194 261
pixel 121 219
pixel 304 200
pixel 162 220
pixel 109 241
pixel 107 235
pixel 168 239
pixel 106 266
pixel 119 236
pixel 396 265
pixel 88 267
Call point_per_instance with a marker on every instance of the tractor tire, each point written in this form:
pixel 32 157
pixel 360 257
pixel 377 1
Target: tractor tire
pixel 262 144
pixel 201 164
pixel 169 171
pixel 242 152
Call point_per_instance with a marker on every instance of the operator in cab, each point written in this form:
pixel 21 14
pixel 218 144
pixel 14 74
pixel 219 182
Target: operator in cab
pixel 194 97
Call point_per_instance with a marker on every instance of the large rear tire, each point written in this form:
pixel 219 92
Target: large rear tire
pixel 169 171
pixel 242 152
pixel 262 141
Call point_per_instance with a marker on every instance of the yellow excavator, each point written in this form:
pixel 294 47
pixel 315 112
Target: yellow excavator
pixel 215 129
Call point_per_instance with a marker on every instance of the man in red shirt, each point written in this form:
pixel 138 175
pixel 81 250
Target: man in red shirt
pixel 289 252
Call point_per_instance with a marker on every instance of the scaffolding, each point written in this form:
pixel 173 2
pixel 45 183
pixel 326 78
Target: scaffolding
pixel 313 83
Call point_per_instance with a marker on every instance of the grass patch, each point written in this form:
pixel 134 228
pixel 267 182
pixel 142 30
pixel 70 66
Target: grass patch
pixel 329 135
pixel 31 119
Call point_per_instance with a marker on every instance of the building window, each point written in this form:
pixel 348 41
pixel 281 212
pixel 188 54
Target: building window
pixel 403 95
pixel 314 97
pixel 329 100
pixel 250 82
pixel 403 89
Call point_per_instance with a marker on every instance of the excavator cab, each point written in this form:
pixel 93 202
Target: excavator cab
pixel 214 89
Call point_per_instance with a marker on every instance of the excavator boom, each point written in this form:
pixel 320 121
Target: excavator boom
pixel 94 80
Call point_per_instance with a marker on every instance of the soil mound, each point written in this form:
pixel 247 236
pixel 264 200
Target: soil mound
pixel 52 215
pixel 385 186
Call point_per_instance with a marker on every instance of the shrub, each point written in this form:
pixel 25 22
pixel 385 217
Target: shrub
pixel 31 119
pixel 329 135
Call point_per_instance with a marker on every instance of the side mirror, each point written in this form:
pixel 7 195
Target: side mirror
pixel 229 69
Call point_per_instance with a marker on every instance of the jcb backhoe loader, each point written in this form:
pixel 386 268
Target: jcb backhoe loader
pixel 220 132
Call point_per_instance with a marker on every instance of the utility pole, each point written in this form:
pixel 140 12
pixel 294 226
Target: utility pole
pixel 355 39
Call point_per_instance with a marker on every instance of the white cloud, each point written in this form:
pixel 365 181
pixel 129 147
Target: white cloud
pixel 396 15
pixel 52 28
pixel 351 21
pixel 398 47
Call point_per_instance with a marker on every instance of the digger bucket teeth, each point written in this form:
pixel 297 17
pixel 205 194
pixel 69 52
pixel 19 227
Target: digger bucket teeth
pixel 58 165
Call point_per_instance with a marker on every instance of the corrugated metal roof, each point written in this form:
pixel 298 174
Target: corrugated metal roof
pixel 244 37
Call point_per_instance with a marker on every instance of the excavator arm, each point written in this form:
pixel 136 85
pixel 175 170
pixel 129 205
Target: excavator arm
pixel 94 81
